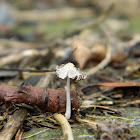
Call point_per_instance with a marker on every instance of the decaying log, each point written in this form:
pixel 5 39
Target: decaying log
pixel 48 100
pixel 14 122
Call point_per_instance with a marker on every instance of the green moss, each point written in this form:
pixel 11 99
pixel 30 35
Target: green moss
pixel 59 130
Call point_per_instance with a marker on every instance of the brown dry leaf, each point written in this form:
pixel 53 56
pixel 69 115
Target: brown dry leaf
pixel 98 52
pixel 82 54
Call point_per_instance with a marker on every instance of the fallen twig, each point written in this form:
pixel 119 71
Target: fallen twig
pixel 107 58
pixel 67 131
pixel 18 56
pixel 130 103
pixel 14 43
pixel 35 134
pixel 115 111
pixel 49 100
pixel 90 123
pixel 19 134
pixel 14 122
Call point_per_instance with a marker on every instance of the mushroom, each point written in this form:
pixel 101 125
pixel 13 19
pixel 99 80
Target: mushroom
pixel 70 71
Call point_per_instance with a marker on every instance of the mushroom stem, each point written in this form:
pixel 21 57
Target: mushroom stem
pixel 68 100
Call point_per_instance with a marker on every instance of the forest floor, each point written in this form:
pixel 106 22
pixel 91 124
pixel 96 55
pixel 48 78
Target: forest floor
pixel 104 46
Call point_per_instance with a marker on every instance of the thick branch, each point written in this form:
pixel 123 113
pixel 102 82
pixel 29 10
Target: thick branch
pixel 48 100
